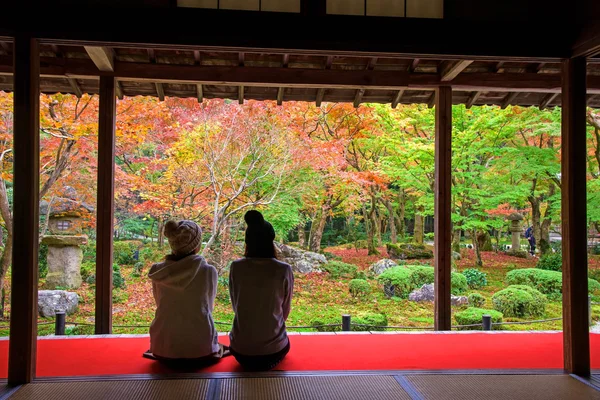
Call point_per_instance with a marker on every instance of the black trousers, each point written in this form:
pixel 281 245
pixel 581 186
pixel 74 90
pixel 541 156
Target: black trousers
pixel 263 362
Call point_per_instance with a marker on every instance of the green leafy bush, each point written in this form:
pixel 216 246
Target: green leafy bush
pixel 476 300
pixel 594 273
pixel 550 262
pixel 118 281
pixel 596 250
pixel 405 279
pixel 320 321
pixel 475 278
pixel 89 251
pixel 359 287
pixel 151 253
pixel 409 251
pixel 330 256
pixel 375 322
pixel 124 251
pixel 547 282
pixel 361 275
pixel 338 269
pixel 87 269
pixel 473 315
pixel 519 301
pixel 119 296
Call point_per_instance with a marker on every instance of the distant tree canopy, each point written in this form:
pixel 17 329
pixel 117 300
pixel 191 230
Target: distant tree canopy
pixel 304 166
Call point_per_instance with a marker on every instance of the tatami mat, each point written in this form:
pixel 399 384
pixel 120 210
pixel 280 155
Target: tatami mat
pixel 112 390
pixel 314 387
pixel 491 387
pixel 419 386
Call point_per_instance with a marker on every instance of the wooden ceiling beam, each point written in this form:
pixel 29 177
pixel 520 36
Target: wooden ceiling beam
pixel 397 98
pixel 285 61
pixel 498 66
pixel 472 99
pixel 509 99
pixel 549 98
pixel 431 101
pixel 450 70
pixel 151 56
pixel 160 91
pixel 280 96
pixel 358 97
pixel 241 94
pixel 199 93
pixel 280 92
pixel 103 57
pixel 197 57
pixel 413 65
pixel 56 50
pixel 328 62
pixel 320 96
pixel 75 87
pixel 119 90
pixel 241 59
pixel 5 47
pixel 591 98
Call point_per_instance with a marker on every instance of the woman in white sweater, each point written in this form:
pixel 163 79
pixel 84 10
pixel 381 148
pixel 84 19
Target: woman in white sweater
pixel 184 288
pixel 261 289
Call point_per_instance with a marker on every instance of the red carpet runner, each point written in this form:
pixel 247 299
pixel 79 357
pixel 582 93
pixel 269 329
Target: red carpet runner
pixel 111 356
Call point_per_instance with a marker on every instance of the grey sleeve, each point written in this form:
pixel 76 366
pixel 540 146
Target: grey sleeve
pixel 289 290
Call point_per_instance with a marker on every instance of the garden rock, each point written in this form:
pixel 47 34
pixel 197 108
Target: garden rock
pixel 427 293
pixel 408 251
pixel 456 255
pixel 302 261
pixel 50 301
pixel 381 265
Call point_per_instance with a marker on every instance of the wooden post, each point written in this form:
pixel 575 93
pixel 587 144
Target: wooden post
pixel 576 334
pixel 105 207
pixel 443 198
pixel 23 313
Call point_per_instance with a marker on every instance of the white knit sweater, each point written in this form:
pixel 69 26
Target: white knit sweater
pixel 261 296
pixel 184 292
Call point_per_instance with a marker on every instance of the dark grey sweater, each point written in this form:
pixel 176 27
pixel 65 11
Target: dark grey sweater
pixel 261 296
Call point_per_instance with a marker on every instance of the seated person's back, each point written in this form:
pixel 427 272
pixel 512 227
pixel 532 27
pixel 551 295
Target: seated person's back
pixel 184 288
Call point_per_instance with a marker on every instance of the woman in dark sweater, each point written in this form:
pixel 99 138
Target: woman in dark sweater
pixel 261 289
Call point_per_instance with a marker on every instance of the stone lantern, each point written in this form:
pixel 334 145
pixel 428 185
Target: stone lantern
pixel 516 228
pixel 64 238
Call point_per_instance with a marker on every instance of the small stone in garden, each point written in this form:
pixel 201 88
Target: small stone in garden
pixel 381 265
pixel 302 261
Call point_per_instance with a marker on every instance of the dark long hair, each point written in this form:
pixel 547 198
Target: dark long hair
pixel 260 250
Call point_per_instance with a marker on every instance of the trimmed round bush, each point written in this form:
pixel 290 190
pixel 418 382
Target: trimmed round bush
pixel 87 269
pixel 118 281
pixel 476 300
pixel 338 269
pixel 359 287
pixel 320 321
pixel 550 262
pixel 474 315
pixel 547 282
pixel 124 251
pixel 519 301
pixel 475 278
pixel 407 278
pixel 375 322
pixel 399 278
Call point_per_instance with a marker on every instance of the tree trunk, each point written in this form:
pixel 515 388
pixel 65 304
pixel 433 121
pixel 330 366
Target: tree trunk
pixel 536 216
pixel 400 223
pixel 317 228
pixel 474 235
pixel 391 221
pixel 419 226
pixel 371 226
pixel 484 241
pixel 456 235
pixel 301 236
pixel 161 234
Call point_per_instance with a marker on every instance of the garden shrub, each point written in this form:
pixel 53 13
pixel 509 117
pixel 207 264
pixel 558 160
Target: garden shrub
pixel 594 273
pixel 319 321
pixel 361 275
pixel 375 322
pixel 361 244
pixel 474 315
pixel 137 269
pixel 118 281
pixel 399 278
pixel 151 253
pixel 359 287
pixel 475 278
pixel 596 250
pixel 519 301
pixel 547 282
pixel 550 262
pixel 119 296
pixel 87 269
pixel 405 279
pixel 338 269
pixel 124 251
pixel 331 257
pixel 476 300
pixel 405 251
pixel 89 251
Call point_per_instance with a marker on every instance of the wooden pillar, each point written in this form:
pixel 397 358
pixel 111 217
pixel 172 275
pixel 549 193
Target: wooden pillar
pixel 443 199
pixel 26 147
pixel 574 219
pixel 105 205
